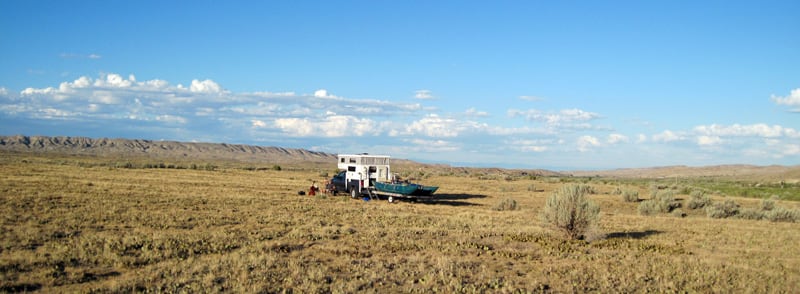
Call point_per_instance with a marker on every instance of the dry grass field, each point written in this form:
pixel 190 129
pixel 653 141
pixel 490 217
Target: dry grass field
pixel 80 224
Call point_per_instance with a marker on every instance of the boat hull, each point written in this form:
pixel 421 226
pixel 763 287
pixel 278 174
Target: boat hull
pixel 406 189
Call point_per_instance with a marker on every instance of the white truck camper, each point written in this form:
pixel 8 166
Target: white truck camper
pixel 359 172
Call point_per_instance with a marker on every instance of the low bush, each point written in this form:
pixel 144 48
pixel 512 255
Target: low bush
pixel 752 214
pixel 663 202
pixel 698 199
pixel 506 204
pixel 570 211
pixel 780 214
pixel 617 191
pixel 767 204
pixel 630 195
pixel 725 209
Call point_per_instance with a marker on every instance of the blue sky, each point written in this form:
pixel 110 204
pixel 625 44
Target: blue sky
pixel 529 84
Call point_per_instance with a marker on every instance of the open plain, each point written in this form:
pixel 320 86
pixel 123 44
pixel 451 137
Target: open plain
pixel 102 224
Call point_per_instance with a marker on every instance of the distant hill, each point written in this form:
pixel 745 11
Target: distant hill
pixel 736 171
pixel 161 149
pixel 171 150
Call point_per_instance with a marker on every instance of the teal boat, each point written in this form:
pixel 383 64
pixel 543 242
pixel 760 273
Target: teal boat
pixel 405 189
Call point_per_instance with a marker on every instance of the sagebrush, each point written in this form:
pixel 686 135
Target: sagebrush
pixel 570 211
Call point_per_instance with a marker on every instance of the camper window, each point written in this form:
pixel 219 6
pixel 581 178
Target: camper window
pixel 351 168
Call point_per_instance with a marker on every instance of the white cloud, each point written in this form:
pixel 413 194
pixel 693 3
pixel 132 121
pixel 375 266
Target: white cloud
pixel 530 145
pixel 3 91
pixel 791 149
pixel 563 117
pixel 436 126
pixel 259 124
pixel 667 136
pixel 423 94
pixel 641 138
pixel 321 93
pixel 531 98
pixel 586 143
pixel 432 145
pixel 80 56
pixel 332 126
pixel 170 119
pixel 793 100
pixel 617 138
pixel 754 130
pixel 205 86
pixel 472 112
pixel 708 140
pixel 113 80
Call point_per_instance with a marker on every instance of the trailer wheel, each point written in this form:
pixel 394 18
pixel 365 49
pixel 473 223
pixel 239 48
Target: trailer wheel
pixel 353 193
pixel 391 199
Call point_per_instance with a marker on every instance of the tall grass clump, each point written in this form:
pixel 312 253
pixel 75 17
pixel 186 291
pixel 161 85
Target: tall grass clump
pixel 663 202
pixel 630 195
pixel 725 209
pixel 570 211
pixel 768 211
pixel 506 204
pixel 698 199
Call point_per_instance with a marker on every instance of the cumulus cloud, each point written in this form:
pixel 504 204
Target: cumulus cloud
pixel 668 136
pixel 530 145
pixel 754 130
pixel 564 116
pixel 423 94
pixel 258 123
pixel 332 126
pixel 205 86
pixel 472 112
pixel 708 140
pixel 617 138
pixel 793 100
pixel 586 143
pixel 321 93
pixel 436 126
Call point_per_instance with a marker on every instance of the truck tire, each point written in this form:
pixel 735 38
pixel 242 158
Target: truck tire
pixel 354 193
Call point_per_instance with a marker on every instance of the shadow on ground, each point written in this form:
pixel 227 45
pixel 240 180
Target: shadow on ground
pixel 454 199
pixel 633 235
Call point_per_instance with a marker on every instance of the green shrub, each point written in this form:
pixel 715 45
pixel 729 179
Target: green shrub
pixel 752 214
pixel 663 202
pixel 767 204
pixel 617 191
pixel 506 204
pixel 725 209
pixel 780 214
pixel 698 199
pixel 649 207
pixel 276 167
pixel 570 211
pixel 630 195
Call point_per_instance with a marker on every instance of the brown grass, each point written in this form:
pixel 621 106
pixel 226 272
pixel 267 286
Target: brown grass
pixel 68 226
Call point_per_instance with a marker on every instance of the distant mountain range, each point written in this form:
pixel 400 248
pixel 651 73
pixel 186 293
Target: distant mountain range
pixel 161 149
pixel 172 150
